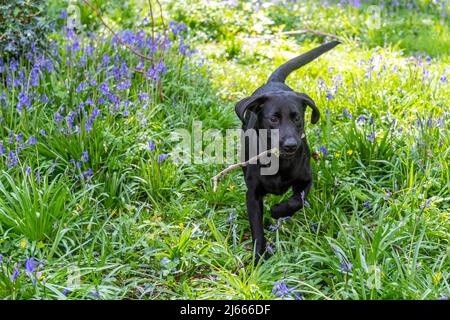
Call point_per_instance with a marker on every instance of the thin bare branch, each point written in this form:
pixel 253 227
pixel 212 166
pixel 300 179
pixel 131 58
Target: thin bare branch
pixel 97 12
pixel 217 177
pixel 152 20
pixel 161 14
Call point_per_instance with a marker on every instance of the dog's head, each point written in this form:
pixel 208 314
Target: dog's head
pixel 282 110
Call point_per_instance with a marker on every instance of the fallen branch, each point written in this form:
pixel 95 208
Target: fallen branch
pixel 217 177
pixel 315 32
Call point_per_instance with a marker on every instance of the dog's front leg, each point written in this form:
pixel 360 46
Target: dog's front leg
pixel 293 204
pixel 255 216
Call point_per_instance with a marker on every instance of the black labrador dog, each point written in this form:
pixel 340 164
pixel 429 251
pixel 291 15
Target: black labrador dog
pixel 276 106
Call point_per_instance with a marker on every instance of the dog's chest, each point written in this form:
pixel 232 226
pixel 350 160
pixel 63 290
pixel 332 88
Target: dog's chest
pixel 277 184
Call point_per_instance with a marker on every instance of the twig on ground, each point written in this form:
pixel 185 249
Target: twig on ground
pixel 217 177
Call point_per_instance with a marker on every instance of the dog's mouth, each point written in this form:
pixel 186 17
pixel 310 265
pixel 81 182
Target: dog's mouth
pixel 288 154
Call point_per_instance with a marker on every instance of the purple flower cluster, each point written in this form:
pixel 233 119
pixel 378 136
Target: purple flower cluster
pixel 31 268
pixel 12 147
pixel 152 147
pixel 77 166
pixel 280 289
pixel 346 266
pixel 98 82
pixel 279 223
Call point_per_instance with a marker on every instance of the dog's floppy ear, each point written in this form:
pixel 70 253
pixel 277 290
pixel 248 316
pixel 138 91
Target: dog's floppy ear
pixel 310 102
pixel 249 105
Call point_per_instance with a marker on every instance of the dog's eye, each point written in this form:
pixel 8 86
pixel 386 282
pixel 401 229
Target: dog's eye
pixel 273 119
pixel 298 118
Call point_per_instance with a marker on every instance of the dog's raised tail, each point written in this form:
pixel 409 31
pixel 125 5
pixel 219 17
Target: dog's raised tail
pixel 284 70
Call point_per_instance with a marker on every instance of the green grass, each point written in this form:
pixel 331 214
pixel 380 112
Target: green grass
pixel 377 225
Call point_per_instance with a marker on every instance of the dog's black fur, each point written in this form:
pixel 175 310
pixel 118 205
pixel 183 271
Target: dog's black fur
pixel 276 106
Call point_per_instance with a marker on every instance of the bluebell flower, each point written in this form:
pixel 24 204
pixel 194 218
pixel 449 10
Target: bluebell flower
pixel 367 204
pixel 30 265
pixel 346 267
pixel 12 159
pixel 95 113
pixel 34 77
pixel 66 292
pixel 15 275
pixel 124 85
pixel 58 117
pixel 52 168
pixel 32 140
pixel 176 27
pixel 361 119
pixel 280 289
pixel 104 88
pixel 324 151
pixel 13 65
pixel 37 175
pixel 279 223
pixel 23 101
pixel 88 173
pixel 426 204
pixel 143 96
pixel 387 194
pixel 183 48
pixel 162 157
pixel 347 113
pixel 84 156
pixel 70 119
pixel 100 100
pixel 3 100
pixel 329 96
pixel 231 216
pixel 355 3
pixel 105 59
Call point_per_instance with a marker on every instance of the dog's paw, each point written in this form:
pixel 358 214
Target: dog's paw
pixel 279 210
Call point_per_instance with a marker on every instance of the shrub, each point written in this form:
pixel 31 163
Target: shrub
pixel 23 27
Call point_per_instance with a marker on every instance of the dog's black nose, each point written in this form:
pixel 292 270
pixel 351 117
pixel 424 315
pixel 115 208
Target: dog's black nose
pixel 290 145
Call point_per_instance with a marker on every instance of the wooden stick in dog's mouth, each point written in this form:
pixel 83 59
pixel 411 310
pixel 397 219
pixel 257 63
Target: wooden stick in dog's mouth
pixel 217 177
